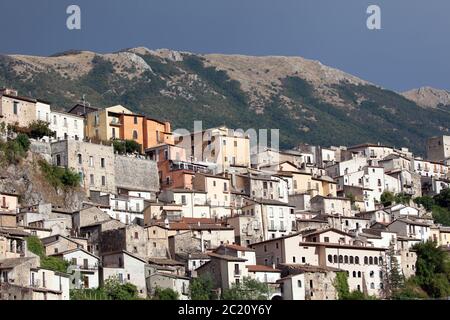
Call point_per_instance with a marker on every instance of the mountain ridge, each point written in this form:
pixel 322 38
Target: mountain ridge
pixel 307 100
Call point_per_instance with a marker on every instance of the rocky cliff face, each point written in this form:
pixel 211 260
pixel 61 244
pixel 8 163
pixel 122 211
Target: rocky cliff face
pixel 27 180
pixel 429 97
pixel 308 101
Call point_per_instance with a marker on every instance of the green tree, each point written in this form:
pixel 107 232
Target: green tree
pixel 387 198
pixel 23 141
pixel 432 269
pixel 402 198
pixel 35 245
pixel 341 285
pixel 248 289
pixel 443 198
pixel 202 288
pixel 126 146
pixel 115 290
pixel 39 129
pixel 394 280
pixel 165 294
pixel 426 201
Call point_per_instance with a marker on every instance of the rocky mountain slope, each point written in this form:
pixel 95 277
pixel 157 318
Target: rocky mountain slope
pixel 429 97
pixel 307 101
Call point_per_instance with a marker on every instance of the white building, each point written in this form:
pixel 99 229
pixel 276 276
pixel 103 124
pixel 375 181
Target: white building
pixel 66 125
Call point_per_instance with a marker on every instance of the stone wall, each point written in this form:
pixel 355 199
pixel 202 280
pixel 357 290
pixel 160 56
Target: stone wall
pixel 136 174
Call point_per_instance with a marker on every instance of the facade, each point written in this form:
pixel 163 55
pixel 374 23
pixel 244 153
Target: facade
pixel 127 268
pixel 117 122
pixel 95 163
pixel 66 125
pixel 438 148
pixel 16 110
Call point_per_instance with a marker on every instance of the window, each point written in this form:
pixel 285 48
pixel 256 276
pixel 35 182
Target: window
pixel 74 261
pixel 341 259
pixel 293 259
pixel 375 260
pixel 75 124
pixel 183 199
pixel 135 120
pixel 356 260
pixel 303 260
pixel 235 143
pixel 103 181
pixel 366 260
pixel 330 258
pixel 58 160
pixel 102 162
pixel 224 142
pixel 372 285
pixel 54 120
pixel 91 179
pixel 351 259
pixel 327 239
pixel 354 274
pixel 370 260
pixel 299 283
pixel 15 107
pixel 113 133
pixel 225 186
pixel 65 122
pixel 346 259
pixel 214 183
pixel 311 285
pixel 335 258
pixel 80 159
pixel 91 161
pixel 359 275
pixel 136 235
pixel 135 135
pixel 372 274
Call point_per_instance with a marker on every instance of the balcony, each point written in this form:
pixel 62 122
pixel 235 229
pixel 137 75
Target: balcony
pixel 85 267
pixel 237 272
pixel 36 283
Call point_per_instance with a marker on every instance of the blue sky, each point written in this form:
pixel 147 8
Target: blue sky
pixel 411 50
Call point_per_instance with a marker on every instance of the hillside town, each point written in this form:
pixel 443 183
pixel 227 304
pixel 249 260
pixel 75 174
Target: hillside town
pixel 161 210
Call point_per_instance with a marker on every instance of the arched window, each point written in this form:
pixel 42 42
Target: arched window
pixel 135 135
pixel 366 261
pixel 372 285
pixel 358 287
pixel 335 258
pixel 351 259
pixel 370 260
pixel 375 260
pixel 354 274
pixel 345 259
pixel 359 274
pixel 356 260
pixel 381 261
pixel 80 159
pixel 330 258
pixel 341 259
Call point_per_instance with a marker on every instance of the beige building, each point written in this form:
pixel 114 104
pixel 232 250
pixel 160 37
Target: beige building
pixel 438 148
pixel 94 162
pixel 15 109
pixel 223 146
pixel 218 193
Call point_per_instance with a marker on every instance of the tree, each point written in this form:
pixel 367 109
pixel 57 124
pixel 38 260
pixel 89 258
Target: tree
pixel 23 141
pixel 118 291
pixel 202 288
pixel 402 198
pixel 432 269
pixel 248 289
pixel 393 280
pixel 426 201
pixel 126 146
pixel 387 198
pixel 341 285
pixel 34 245
pixel 39 129
pixel 443 198
pixel 165 294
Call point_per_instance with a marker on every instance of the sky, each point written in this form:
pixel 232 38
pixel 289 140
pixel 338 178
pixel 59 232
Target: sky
pixel 411 49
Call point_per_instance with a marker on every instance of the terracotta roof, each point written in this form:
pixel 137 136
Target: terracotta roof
pixel 261 268
pixel 237 247
pixel 226 257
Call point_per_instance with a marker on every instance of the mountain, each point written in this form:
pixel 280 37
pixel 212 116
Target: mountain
pixel 307 101
pixel 429 97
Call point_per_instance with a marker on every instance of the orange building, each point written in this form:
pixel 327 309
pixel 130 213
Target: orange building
pixel 118 122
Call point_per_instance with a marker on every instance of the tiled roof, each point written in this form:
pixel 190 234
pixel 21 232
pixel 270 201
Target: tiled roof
pixel 261 268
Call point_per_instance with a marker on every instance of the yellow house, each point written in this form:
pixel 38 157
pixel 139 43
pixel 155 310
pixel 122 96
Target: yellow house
pixel 105 124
